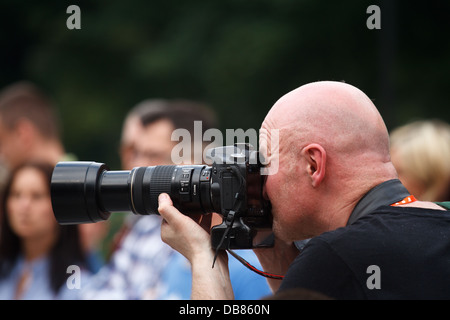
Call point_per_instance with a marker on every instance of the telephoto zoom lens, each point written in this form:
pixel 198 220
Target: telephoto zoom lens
pixel 84 192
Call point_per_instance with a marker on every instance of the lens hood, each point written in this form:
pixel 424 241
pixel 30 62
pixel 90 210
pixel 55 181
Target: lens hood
pixel 74 192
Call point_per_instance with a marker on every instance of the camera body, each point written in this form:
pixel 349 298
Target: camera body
pixel 85 192
pixel 238 183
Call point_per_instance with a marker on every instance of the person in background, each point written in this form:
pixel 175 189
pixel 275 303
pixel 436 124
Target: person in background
pixel 30 131
pixel 35 251
pixel 143 267
pixel 420 152
pixel 29 128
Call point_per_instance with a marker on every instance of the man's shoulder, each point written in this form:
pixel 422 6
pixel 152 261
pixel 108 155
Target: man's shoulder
pixel 386 222
pixel 336 262
pixel 386 232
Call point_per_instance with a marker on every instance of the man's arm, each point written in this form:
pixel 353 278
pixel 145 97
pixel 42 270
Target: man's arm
pixel 187 237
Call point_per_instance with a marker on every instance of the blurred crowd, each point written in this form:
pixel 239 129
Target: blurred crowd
pixel 36 252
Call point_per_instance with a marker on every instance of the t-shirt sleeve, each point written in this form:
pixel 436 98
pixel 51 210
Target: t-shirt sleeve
pixel 319 269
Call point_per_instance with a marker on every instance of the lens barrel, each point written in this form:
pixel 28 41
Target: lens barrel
pixel 147 184
pixel 84 192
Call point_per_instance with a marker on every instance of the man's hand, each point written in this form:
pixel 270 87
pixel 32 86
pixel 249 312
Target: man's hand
pixel 190 238
pixel 181 232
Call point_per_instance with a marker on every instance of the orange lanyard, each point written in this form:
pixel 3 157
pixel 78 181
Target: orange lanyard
pixel 408 199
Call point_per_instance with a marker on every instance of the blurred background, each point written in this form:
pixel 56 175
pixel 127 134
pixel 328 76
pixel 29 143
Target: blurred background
pixel 237 56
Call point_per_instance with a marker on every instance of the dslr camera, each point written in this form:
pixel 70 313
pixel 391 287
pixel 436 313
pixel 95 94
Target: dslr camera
pixel 86 192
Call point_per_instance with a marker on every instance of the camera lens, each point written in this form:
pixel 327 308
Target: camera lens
pixel 87 192
pixel 84 192
pixel 74 191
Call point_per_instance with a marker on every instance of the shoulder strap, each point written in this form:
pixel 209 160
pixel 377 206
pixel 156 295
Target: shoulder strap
pixel 384 194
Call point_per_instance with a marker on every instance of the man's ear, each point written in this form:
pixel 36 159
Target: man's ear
pixel 316 159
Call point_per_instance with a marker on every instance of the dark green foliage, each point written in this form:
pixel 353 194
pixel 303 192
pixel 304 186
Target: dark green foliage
pixel 238 56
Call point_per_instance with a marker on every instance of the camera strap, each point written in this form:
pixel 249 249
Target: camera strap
pixel 385 194
pixel 229 221
pixel 252 268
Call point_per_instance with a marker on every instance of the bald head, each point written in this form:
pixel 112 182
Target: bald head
pixel 333 148
pixel 338 116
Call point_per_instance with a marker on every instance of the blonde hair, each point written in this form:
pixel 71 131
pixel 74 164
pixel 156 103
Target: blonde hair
pixel 424 149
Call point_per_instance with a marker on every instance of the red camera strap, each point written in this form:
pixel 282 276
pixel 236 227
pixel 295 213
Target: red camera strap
pixel 249 266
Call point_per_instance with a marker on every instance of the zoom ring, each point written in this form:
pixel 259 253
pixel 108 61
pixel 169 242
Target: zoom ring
pixel 160 182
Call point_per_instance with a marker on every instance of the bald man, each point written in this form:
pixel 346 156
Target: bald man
pixel 336 184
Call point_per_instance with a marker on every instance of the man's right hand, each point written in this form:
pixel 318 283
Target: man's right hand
pixel 188 237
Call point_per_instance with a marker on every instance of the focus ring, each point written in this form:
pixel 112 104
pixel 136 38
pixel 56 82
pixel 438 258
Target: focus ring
pixel 160 182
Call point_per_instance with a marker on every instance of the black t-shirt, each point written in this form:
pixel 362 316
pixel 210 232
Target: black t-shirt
pixel 392 253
